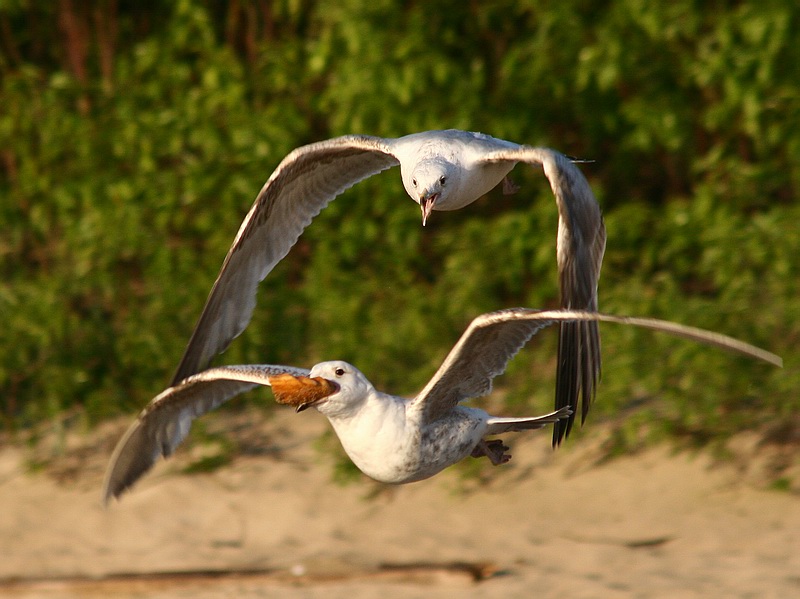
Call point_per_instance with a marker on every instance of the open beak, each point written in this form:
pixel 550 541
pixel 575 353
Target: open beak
pixel 301 391
pixel 426 205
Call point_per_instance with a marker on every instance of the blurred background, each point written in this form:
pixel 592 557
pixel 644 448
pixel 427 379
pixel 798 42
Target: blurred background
pixel 134 139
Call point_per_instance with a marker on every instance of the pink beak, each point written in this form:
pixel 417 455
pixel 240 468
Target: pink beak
pixel 426 205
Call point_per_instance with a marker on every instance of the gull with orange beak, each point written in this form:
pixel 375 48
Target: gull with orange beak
pixel 441 170
pixel 391 439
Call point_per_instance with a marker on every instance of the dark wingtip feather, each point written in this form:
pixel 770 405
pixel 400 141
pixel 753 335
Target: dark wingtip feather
pixel 566 380
pixel 132 457
pixel 577 373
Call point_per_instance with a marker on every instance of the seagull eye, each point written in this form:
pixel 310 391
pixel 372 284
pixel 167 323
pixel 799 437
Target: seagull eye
pixel 414 182
pixel 442 180
pixel 339 371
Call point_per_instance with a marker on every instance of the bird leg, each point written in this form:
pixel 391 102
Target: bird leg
pixel 509 187
pixel 495 450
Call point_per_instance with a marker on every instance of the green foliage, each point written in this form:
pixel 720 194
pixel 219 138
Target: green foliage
pixel 130 153
pixel 783 484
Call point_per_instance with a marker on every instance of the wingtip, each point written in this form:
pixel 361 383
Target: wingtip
pixel 108 493
pixel 561 431
pixel 563 427
pixel 111 492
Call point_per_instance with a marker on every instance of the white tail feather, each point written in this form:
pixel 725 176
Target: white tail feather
pixel 498 425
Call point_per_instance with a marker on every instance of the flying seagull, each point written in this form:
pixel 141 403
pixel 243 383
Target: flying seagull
pixel 389 438
pixel 441 170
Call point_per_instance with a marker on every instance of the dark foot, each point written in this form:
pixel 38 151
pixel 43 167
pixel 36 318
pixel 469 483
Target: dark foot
pixel 509 187
pixel 495 450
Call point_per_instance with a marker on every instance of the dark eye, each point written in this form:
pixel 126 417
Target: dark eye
pixel 339 371
pixel 442 180
pixel 414 182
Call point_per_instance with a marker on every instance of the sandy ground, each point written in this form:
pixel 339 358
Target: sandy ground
pixel 273 524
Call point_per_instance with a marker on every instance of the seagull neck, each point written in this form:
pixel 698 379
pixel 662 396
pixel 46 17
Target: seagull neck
pixel 375 409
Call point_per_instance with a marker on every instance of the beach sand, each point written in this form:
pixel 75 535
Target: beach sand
pixel 272 523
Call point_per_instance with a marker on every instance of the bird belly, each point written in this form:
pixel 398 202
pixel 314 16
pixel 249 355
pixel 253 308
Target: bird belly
pixel 396 449
pixel 427 450
pixel 449 440
pixel 377 441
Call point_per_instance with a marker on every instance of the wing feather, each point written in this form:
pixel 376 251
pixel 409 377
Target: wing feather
pixel 492 339
pixel 302 185
pixel 166 420
pixel 482 353
pixel 579 252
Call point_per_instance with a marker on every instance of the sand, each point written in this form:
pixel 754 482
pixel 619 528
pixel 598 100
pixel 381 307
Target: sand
pixel 272 523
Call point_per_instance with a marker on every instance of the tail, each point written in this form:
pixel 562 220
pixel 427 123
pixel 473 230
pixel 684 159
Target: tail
pixel 498 425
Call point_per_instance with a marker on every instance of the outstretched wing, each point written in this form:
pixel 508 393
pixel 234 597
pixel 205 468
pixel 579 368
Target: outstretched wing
pixel 302 185
pixel 492 339
pixel 579 251
pixel 165 422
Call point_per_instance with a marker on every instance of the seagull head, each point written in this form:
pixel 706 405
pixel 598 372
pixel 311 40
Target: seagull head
pixel 427 185
pixel 351 389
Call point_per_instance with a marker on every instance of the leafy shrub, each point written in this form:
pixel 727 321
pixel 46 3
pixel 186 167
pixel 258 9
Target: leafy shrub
pixel 129 160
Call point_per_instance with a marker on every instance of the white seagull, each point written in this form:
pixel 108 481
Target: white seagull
pixel 441 170
pixel 389 438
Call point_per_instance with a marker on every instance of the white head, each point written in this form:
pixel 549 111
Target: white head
pixel 353 388
pixel 427 183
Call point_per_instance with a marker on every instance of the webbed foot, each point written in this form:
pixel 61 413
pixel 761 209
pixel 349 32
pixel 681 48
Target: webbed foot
pixel 495 450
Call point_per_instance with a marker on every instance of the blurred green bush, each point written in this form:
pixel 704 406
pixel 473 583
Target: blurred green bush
pixel 133 141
